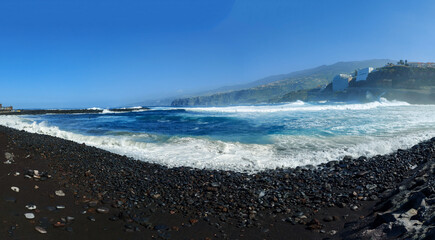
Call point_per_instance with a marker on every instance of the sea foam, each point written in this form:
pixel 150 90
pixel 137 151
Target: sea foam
pixel 299 106
pixel 283 151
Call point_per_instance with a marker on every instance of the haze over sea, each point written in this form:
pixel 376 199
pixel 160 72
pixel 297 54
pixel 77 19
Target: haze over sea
pixel 244 138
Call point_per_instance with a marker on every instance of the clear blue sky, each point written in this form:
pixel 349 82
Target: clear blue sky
pixel 86 53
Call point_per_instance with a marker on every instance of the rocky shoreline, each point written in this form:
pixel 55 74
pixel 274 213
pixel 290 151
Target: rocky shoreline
pixel 120 198
pixel 69 111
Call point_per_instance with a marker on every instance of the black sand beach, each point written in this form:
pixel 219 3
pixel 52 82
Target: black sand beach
pixel 108 196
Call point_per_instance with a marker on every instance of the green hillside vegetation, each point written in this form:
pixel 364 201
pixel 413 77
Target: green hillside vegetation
pixel 280 85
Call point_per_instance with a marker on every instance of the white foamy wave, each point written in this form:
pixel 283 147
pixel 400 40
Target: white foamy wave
pixel 287 151
pixel 133 109
pixel 136 107
pixel 176 152
pixel 94 108
pixel 140 110
pixel 293 151
pixel 107 111
pixel 300 106
pixel 165 108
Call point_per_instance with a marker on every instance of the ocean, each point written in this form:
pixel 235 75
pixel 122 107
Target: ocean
pixel 244 138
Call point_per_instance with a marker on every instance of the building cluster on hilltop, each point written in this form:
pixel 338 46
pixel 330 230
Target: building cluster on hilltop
pixel 412 64
pixel 422 64
pixel 5 109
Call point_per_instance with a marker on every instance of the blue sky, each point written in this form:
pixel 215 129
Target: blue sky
pixel 86 53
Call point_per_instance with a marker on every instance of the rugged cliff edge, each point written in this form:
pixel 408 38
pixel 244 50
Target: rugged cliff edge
pixel 410 84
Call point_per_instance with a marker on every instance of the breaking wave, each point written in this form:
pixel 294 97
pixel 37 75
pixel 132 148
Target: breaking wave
pixel 300 106
pixel 292 139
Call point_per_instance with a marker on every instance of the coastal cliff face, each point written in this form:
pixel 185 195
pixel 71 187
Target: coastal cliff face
pixel 283 84
pixel 410 84
pixel 399 77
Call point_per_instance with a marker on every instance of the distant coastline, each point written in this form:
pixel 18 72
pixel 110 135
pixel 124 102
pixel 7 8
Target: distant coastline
pixel 70 111
pixel 413 83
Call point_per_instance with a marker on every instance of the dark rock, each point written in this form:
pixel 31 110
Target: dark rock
pixel 396 231
pixel 383 218
pixel 414 201
pixel 374 197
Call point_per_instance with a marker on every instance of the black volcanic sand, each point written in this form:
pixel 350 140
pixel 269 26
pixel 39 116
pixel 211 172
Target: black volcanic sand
pixel 108 196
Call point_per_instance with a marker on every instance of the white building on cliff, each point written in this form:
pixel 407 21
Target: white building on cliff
pixel 341 82
pixel 363 73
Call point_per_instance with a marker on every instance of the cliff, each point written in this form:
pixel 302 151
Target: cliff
pixel 399 77
pixel 410 84
pixel 275 87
